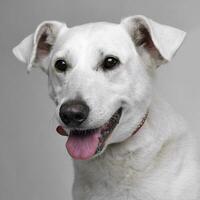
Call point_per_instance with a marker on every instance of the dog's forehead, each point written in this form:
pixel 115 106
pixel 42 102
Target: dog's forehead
pixel 95 34
pixel 95 29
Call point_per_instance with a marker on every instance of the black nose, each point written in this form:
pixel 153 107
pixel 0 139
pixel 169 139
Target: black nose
pixel 74 112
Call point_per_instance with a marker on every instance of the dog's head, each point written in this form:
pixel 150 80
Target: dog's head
pixel 99 75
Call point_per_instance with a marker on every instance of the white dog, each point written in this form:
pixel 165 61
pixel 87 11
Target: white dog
pixel 125 141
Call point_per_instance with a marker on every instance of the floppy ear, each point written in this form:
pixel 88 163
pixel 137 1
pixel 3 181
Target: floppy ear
pixel 156 43
pixel 37 46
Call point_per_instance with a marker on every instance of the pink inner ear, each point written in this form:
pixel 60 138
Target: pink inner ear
pixel 43 47
pixel 149 43
pixel 145 39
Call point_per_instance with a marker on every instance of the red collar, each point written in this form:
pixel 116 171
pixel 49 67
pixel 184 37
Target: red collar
pixel 141 123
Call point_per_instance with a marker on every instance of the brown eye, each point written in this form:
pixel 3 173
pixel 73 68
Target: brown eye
pixel 61 65
pixel 110 62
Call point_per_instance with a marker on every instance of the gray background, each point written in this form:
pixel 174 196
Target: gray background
pixel 34 164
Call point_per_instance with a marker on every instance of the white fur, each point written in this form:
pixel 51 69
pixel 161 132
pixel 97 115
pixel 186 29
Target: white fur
pixel 160 161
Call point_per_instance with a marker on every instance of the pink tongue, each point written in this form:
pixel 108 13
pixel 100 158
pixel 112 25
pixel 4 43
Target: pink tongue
pixel 83 147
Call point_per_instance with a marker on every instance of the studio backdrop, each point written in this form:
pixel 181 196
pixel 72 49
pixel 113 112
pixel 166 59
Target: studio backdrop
pixel 34 164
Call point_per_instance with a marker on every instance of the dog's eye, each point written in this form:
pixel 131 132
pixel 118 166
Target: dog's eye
pixel 61 65
pixel 110 62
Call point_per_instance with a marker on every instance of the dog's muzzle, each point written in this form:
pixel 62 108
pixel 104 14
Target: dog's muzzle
pixel 83 144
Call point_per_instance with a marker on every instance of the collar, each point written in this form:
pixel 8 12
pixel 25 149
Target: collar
pixel 139 126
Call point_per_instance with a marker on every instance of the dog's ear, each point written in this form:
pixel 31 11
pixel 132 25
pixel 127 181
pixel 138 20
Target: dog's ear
pixel 156 43
pixel 36 47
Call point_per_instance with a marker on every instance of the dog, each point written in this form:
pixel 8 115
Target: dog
pixel 126 142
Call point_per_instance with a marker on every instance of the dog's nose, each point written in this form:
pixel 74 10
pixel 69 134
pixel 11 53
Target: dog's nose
pixel 74 112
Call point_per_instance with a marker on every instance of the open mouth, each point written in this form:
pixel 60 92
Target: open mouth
pixel 84 144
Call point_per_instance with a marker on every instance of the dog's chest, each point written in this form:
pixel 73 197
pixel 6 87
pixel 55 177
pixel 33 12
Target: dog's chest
pixel 111 188
pixel 113 179
pixel 102 181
